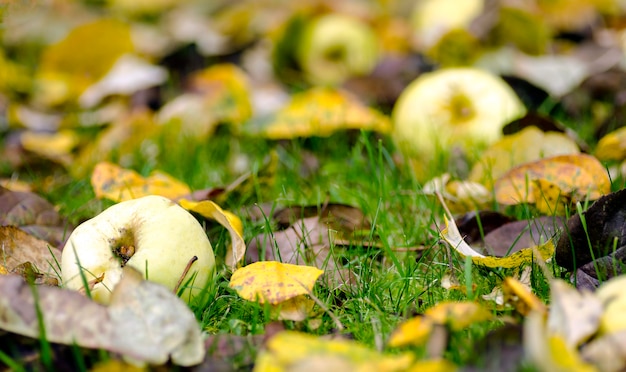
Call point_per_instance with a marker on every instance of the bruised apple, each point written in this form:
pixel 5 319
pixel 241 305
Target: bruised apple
pixel 151 234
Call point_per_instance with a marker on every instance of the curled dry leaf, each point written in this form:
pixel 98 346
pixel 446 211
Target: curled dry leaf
pixel 145 321
pixel 208 209
pixel 115 183
pixel 33 214
pixel 460 196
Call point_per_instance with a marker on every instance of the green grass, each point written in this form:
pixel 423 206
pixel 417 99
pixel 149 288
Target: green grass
pixel 354 168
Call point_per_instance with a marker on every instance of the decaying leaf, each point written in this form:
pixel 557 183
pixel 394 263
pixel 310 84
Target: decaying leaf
pixel 19 248
pixel 208 209
pixel 289 351
pixel 145 321
pixel 451 235
pixel 613 299
pixel 595 233
pixel 518 293
pixel 454 315
pixel 33 214
pixel 529 144
pixel 273 282
pixel 607 353
pixel 115 183
pixel 54 146
pixel 577 177
pixel 321 112
pixel 612 146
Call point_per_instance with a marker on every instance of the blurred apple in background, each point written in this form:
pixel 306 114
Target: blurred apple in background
pixel 334 47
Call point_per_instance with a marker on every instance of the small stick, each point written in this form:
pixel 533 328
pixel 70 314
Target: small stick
pixel 187 268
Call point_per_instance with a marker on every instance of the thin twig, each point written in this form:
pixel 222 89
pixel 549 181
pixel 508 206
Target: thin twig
pixel 187 268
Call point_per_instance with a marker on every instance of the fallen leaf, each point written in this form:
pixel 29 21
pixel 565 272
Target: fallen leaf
pixel 577 176
pixel 529 144
pixel 273 282
pixel 19 248
pixel 611 296
pixel 607 353
pixel 515 236
pixel 320 112
pixel 128 75
pixel 590 275
pixel 126 327
pixel 208 209
pixel 518 293
pixel 291 350
pixel 451 235
pixel 612 146
pixel 460 196
pixel 595 233
pixel 54 146
pixel 115 183
pixel 454 315
pixel 84 56
pixel 33 214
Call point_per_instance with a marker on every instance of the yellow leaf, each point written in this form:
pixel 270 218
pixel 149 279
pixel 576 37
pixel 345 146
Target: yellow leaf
pixel 460 196
pixel 612 146
pixel 519 295
pixel 458 315
pixel 433 365
pixel 414 331
pixel 82 58
pixel 451 235
pixel 297 309
pixel 208 209
pixel 290 350
pixel 274 282
pixel 55 146
pixel 321 112
pixel 454 315
pixel 115 183
pixel 578 176
pixel 527 145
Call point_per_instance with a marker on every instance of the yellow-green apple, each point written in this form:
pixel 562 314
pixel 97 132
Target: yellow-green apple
pixel 335 47
pixel 152 234
pixel 458 106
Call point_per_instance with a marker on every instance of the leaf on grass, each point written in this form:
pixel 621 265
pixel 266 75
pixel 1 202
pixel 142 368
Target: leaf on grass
pixel 574 315
pixel 53 146
pixel 613 299
pixel 576 177
pixel 221 95
pixel 33 214
pixel 518 293
pixel 460 196
pixel 19 248
pixel 514 236
pixel 208 209
pixel 289 351
pixel 84 56
pixel 321 112
pixel 128 75
pixel 273 282
pixel 451 235
pixel 612 146
pixel 607 353
pixel 118 184
pixel 594 234
pixel 529 144
pixel 550 352
pixel 297 309
pixel 145 321
pixel 454 315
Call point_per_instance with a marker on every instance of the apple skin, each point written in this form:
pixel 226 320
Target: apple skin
pixel 165 237
pixel 335 47
pixel 455 106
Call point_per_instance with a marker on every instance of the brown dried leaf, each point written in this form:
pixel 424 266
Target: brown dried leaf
pixel 19 248
pixel 33 214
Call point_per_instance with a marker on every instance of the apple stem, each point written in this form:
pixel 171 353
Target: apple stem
pixel 187 268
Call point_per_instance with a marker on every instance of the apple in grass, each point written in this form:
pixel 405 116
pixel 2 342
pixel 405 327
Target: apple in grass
pixel 335 47
pixel 465 107
pixel 151 234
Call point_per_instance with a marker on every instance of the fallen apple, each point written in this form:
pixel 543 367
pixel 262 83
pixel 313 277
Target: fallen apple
pixel 431 19
pixel 457 106
pixel 151 234
pixel 335 47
